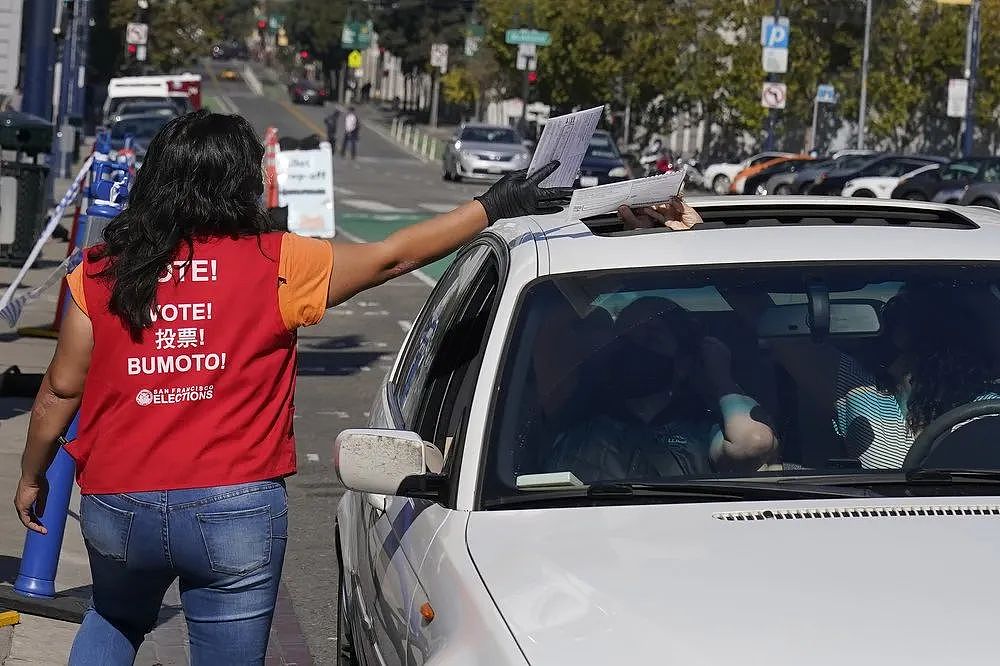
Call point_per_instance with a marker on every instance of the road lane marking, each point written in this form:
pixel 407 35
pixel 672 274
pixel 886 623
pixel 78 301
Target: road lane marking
pixel 405 325
pixel 312 457
pixel 303 118
pixel 337 189
pixel 373 206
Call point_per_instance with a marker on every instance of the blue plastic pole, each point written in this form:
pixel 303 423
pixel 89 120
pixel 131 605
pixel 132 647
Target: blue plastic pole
pixel 40 559
pixel 39 46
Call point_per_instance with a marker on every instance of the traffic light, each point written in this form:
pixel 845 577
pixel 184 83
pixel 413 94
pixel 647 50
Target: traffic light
pixel 532 78
pixel 303 54
pixel 261 24
pixel 132 49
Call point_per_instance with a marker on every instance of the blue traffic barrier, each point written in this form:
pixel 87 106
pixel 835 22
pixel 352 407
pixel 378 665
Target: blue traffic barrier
pixel 40 558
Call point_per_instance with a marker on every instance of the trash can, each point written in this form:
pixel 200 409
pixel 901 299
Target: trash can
pixel 23 194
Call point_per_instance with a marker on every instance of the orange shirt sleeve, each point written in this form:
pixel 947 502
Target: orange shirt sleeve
pixel 304 270
pixel 75 283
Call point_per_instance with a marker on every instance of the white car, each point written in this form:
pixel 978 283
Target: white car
pixel 881 187
pixel 520 499
pixel 720 176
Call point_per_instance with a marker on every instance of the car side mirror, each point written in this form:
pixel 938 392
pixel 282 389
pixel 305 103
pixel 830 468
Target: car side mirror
pixel 388 462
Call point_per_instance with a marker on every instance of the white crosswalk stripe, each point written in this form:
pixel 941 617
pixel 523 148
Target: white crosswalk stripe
pixel 372 206
pixel 437 207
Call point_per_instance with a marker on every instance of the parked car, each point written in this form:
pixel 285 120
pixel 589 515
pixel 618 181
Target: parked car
pixel 796 181
pixel 503 508
pixel 483 152
pixel 229 74
pixel 720 176
pixel 304 91
pixel 832 183
pixel 951 177
pixel 881 187
pixel 141 128
pixel 165 106
pixel 753 179
pixel 602 163
pixel 982 194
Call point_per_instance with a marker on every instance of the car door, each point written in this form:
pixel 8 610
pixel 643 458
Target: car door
pixel 385 579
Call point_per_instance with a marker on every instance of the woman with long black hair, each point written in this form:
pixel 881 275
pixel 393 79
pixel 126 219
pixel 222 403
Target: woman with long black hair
pixel 179 352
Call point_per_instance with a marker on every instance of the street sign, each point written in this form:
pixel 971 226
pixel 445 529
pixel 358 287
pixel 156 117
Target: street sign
pixel 528 36
pixel 354 59
pixel 526 57
pixel 774 60
pixel 472 43
pixel 356 35
pixel 774 34
pixel 825 94
pixel 140 53
pixel 772 95
pixel 136 33
pixel 958 92
pixel 439 56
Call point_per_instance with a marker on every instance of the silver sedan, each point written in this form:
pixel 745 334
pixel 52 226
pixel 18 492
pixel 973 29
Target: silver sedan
pixel 484 152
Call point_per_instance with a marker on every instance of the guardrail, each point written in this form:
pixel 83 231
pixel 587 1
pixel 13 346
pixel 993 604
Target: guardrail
pixel 416 140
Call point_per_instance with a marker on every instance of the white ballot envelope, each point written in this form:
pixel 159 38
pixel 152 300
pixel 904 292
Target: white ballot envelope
pixel 565 138
pixel 604 199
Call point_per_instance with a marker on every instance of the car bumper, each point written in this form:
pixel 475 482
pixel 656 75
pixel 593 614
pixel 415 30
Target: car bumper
pixel 487 169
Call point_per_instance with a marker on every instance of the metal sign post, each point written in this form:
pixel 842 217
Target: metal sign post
pixel 825 94
pixel 439 60
pixel 774 34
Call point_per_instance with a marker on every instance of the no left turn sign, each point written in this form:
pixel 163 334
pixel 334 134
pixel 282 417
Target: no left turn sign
pixel 772 96
pixel 136 33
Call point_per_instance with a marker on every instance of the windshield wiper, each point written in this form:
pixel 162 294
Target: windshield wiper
pixel 679 491
pixel 957 475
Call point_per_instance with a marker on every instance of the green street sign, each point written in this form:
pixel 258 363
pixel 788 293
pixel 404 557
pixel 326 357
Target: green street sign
pixel 528 36
pixel 356 35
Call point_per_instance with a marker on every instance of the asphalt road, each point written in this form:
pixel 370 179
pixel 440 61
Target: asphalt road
pixel 344 358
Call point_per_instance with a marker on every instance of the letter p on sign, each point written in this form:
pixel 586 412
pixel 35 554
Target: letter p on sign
pixel 773 34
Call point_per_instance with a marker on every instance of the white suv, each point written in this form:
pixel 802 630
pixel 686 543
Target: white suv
pixel 540 485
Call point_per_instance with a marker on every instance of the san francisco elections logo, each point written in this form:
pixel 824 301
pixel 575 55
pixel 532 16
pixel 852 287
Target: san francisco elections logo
pixel 144 397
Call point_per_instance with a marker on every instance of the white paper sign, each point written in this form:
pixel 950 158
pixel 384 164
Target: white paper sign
pixel 603 199
pixel 565 138
pixel 305 185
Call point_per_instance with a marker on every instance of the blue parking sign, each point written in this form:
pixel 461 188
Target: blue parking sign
pixel 825 94
pixel 774 34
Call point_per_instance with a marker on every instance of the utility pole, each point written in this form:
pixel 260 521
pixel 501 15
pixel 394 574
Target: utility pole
pixel 971 67
pixel 863 105
pixel 772 113
pixel 64 31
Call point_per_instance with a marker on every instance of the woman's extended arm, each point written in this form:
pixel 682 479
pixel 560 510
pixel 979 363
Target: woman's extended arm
pixel 359 266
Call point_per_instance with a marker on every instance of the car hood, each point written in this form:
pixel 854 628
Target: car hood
pixel 682 584
pixel 485 147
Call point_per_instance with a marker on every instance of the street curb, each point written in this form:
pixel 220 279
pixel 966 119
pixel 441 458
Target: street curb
pixel 377 129
pixel 6 643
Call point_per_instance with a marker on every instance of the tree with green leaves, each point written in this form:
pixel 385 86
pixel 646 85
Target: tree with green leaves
pixel 180 32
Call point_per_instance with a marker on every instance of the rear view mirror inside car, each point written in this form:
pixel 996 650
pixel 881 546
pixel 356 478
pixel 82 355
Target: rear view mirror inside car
pixel 846 318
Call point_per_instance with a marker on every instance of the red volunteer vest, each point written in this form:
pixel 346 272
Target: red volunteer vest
pixel 205 398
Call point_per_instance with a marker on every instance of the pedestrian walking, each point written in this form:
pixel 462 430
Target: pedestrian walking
pixel 331 122
pixel 178 350
pixel 351 129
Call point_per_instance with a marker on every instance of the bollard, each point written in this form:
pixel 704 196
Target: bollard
pixel 406 134
pixel 423 145
pixel 40 558
pixel 416 140
pixel 395 123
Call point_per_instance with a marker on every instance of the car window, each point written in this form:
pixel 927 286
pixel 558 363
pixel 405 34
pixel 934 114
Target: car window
pixel 490 135
pixel 760 159
pixel 960 170
pixel 852 161
pixel 621 375
pixel 601 146
pixel 143 128
pixel 991 172
pixel 424 341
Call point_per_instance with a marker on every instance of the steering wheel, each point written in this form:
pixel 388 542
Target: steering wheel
pixel 938 430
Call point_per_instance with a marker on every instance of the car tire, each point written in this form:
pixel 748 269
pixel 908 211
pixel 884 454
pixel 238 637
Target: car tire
pixel 986 203
pixel 783 190
pixel 864 194
pixel 720 184
pixel 914 196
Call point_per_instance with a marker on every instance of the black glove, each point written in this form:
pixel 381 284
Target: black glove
pixel 518 194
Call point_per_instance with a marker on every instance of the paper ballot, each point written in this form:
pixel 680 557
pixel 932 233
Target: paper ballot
pixel 565 138
pixel 603 199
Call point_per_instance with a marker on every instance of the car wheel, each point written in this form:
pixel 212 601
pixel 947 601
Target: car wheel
pixel 720 185
pixel 783 190
pixel 866 194
pixel 988 203
pixel 914 196
pixel 345 643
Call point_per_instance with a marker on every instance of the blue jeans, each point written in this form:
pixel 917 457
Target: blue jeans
pixel 225 544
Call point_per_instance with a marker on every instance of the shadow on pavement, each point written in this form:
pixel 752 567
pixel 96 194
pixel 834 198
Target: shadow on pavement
pixel 335 363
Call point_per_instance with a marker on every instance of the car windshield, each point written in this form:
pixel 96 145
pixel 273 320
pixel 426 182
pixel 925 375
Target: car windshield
pixel 602 147
pixel 490 135
pixel 668 374
pixel 140 128
pixel 957 170
pixel 852 161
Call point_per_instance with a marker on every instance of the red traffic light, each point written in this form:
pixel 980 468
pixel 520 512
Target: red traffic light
pixel 304 54
pixel 532 77
pixel 261 24
pixel 132 49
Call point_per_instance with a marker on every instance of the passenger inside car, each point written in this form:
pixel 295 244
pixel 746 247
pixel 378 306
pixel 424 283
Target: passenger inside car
pixel 671 407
